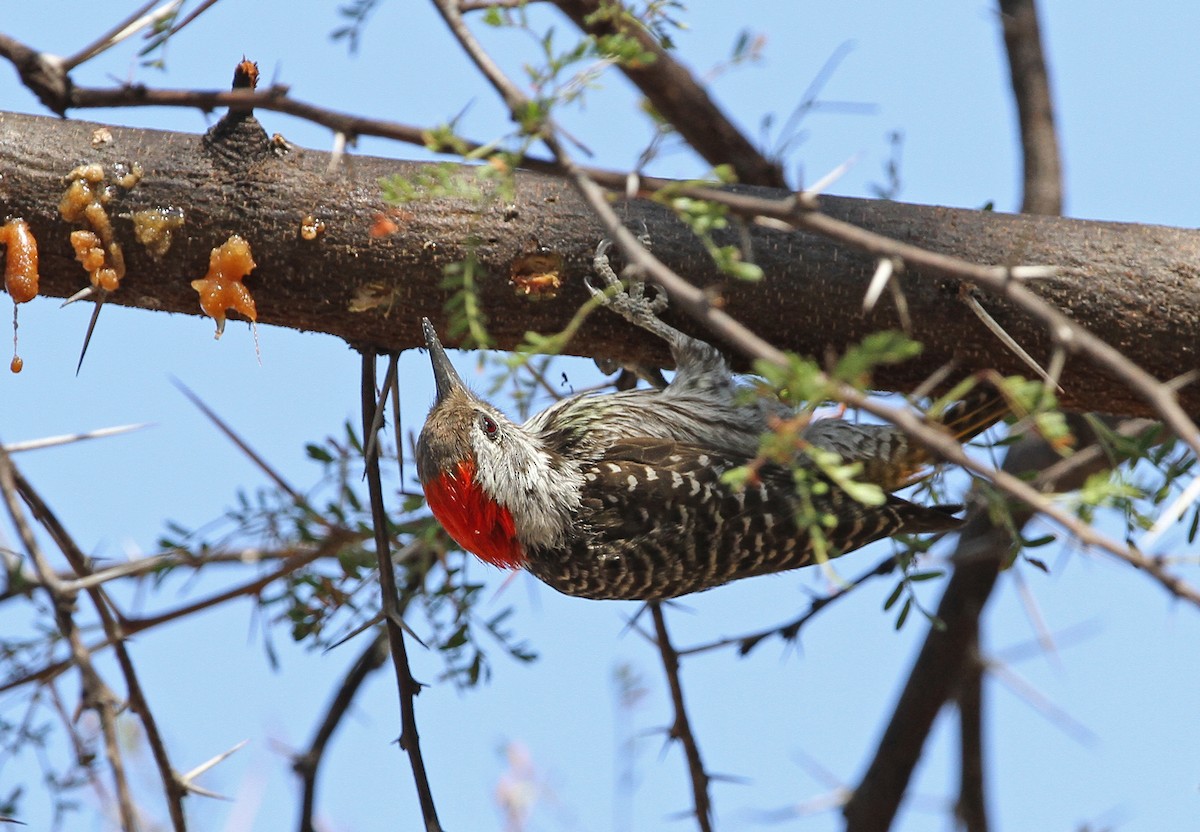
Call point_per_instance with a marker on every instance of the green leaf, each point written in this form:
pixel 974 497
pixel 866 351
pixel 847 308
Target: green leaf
pixel 894 597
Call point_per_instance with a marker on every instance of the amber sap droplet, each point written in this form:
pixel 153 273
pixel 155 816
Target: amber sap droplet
pixel 222 288
pixel 17 364
pixel 20 261
pixel 155 228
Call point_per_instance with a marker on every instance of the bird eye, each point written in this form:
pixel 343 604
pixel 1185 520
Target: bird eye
pixel 489 426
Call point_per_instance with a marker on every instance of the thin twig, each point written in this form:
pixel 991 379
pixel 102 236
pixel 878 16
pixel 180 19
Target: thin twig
pixel 95 694
pixel 307 764
pixel 681 728
pixel 407 686
pixel 790 630
pixel 130 626
pixel 127 28
pixel 675 93
pixel 945 446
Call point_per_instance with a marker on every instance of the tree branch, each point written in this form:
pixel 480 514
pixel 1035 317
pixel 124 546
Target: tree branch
pixel 681 726
pixel 676 96
pixel 983 548
pixel 392 281
pixel 971 808
pixel 1035 110
pixel 307 764
pixel 392 611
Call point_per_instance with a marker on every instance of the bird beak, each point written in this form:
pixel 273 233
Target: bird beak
pixel 444 374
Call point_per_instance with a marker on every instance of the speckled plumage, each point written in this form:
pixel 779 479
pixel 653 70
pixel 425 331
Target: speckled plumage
pixel 620 495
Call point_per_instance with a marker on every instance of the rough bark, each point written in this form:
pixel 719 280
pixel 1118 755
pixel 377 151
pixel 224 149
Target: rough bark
pixel 1135 286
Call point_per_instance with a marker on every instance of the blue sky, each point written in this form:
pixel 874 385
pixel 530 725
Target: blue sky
pixel 1124 80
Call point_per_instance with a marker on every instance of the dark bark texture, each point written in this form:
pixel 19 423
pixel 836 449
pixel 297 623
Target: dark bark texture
pixel 1138 287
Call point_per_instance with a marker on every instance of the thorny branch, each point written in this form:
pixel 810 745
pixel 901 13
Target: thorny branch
pixel 791 629
pixel 131 626
pixel 407 686
pixel 174 788
pixel 307 764
pixel 96 694
pixel 681 727
pixel 23 581
pixel 797 210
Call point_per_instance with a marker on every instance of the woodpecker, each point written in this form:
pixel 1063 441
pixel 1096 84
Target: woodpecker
pixel 620 495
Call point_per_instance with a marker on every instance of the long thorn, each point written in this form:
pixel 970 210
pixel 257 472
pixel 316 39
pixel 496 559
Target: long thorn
pixel 389 380
pixel 85 292
pixel 87 339
pixel 68 438
pixel 241 443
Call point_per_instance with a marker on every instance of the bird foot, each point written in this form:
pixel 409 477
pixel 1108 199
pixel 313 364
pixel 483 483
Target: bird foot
pixel 629 301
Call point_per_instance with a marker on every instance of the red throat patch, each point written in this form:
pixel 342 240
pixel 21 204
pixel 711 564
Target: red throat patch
pixel 475 521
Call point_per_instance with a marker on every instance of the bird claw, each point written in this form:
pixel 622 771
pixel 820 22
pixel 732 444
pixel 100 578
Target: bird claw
pixel 628 300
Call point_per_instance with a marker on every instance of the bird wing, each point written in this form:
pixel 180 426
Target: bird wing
pixel 659 521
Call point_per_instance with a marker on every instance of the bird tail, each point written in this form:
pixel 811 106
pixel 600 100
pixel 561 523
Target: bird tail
pixel 981 407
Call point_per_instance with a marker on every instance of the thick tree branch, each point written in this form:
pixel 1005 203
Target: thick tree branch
pixel 1134 286
pixel 982 551
pixel 676 95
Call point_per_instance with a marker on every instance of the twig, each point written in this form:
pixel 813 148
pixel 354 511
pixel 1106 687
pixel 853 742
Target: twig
pixel 307 764
pixel 675 93
pixel 1070 335
pixel 142 566
pixel 127 28
pixel 130 626
pixel 681 728
pixel 408 687
pixel 111 621
pixel 327 547
pixel 95 693
pixel 945 446
pixel 789 631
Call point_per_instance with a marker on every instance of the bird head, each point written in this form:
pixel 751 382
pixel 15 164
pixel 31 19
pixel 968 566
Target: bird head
pixel 489 481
